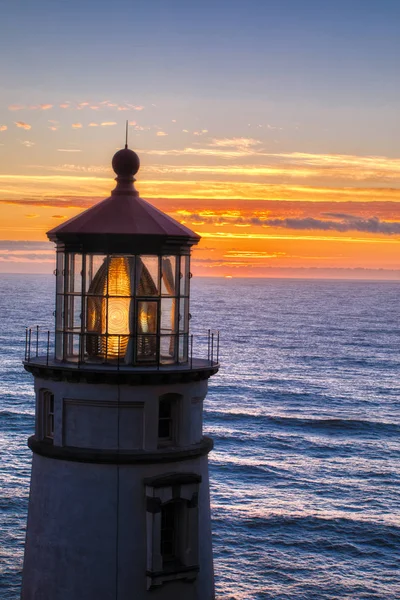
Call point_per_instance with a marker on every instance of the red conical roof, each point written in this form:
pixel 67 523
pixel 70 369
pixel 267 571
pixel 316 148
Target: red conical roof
pixel 123 219
pixel 122 214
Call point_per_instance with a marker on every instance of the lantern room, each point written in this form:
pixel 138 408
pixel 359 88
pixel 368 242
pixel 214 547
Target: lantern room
pixel 123 279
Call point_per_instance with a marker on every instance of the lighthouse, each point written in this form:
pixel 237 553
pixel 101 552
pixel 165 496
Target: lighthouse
pixel 119 504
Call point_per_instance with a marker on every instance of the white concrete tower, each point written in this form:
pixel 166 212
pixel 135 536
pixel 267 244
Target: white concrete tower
pixel 119 504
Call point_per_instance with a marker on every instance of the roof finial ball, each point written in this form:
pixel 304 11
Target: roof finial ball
pixel 125 163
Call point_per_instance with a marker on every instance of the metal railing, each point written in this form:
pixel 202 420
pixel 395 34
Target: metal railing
pixel 40 348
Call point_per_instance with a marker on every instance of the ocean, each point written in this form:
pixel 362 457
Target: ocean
pixel 305 417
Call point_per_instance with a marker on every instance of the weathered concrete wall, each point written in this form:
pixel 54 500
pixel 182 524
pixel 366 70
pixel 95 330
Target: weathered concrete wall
pixel 126 417
pixel 87 538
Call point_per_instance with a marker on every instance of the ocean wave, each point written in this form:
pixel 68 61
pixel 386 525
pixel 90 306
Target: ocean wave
pixel 323 424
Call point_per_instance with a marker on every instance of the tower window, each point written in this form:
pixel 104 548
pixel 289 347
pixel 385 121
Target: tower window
pixel 165 421
pixel 47 416
pixel 168 417
pixel 172 528
pixel 170 532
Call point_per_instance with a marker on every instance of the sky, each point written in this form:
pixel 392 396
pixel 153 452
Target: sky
pixel 270 128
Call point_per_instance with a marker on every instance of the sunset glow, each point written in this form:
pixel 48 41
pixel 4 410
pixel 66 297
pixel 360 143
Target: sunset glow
pixel 278 181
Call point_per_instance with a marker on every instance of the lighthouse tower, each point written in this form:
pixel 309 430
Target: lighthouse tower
pixel 119 504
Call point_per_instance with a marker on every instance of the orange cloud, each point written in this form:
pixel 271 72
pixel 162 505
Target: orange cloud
pixel 3 127
pixel 16 107
pixel 45 106
pixel 108 123
pixel 161 133
pixel 237 142
pixel 28 144
pixel 76 125
pixel 23 125
pixel 93 125
pixel 64 105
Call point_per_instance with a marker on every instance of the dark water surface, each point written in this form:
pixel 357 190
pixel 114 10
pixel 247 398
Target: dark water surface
pixel 306 422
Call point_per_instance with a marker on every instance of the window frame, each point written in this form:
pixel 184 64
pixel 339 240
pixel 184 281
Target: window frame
pixel 174 402
pixel 180 490
pixel 46 415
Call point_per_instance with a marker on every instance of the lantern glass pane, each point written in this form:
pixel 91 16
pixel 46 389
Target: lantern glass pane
pixel 184 276
pixel 183 347
pixel 59 346
pixel 168 349
pixel 59 312
pixel 93 263
pixel 60 272
pixel 183 315
pixel 168 315
pixel 147 276
pixel 168 276
pixel 77 285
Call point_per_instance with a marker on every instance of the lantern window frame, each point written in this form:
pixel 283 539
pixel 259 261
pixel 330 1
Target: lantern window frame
pixel 75 274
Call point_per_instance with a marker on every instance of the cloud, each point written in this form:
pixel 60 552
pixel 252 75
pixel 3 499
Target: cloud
pixel 161 133
pixel 216 152
pixel 71 168
pixel 28 144
pixel 32 216
pixel 253 254
pixel 45 106
pixel 76 125
pixel 237 142
pixel 345 224
pixel 141 128
pixel 108 123
pixel 93 125
pixel 58 216
pixel 371 225
pixel 23 125
pixel 64 105
pixel 26 251
pixel 14 107
pixel 3 127
pixel 68 150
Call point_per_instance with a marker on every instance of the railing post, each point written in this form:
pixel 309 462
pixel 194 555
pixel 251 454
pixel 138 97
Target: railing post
pixel 29 344
pixel 48 348
pixel 37 341
pixel 209 335
pixel 119 349
pixel 212 348
pixel 26 343
pixel 191 351
pixel 217 347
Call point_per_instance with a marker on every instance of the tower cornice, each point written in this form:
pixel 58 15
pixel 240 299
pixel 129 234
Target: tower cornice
pixel 119 457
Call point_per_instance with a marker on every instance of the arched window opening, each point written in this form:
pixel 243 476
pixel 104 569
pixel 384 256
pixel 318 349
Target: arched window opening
pixel 171 530
pixel 46 415
pixel 168 412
